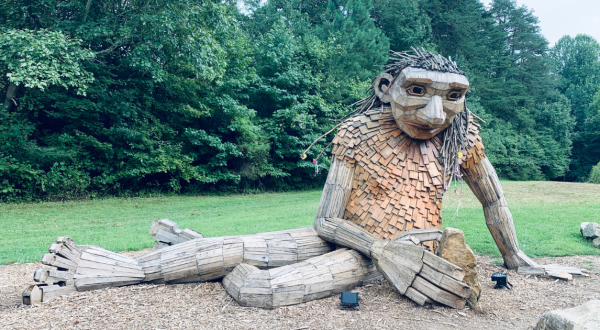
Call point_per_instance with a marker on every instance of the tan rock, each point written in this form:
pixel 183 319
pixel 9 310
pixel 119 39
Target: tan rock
pixel 454 249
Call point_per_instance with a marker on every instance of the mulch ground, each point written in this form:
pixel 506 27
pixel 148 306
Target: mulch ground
pixel 207 305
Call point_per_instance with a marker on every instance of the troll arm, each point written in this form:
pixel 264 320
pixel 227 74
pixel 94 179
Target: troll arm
pixel 481 177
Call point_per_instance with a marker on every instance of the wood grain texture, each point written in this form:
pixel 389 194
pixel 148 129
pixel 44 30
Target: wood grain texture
pixel 167 233
pixel 435 293
pixel 417 296
pixel 445 282
pixel 443 266
pixel 314 278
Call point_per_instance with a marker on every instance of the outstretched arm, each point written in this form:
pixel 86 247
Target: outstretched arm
pixel 483 181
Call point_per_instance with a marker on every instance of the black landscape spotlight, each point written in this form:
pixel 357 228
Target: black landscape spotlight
pixel 349 299
pixel 501 281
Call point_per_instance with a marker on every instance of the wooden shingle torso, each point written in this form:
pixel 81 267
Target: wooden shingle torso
pixel 397 183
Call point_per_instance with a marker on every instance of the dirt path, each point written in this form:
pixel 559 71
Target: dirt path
pixel 207 306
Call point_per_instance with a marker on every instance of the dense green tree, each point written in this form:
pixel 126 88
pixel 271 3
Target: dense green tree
pixel 577 62
pixel 403 22
pixel 523 90
pixel 181 100
pixel 301 16
pixel 113 97
pixel 523 70
pixel 39 59
pixel 595 174
pixel 149 119
pixel 363 45
pixel 465 30
pixel 288 97
pixel 578 66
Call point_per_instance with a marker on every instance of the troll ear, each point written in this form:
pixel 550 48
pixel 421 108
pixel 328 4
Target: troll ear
pixel 381 86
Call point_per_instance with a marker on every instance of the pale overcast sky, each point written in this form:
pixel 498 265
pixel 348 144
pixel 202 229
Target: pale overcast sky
pixel 560 17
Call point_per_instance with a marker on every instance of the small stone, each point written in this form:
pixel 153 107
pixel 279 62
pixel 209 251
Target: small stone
pixel 596 242
pixel 461 314
pixel 454 249
pixel 591 230
pixel 582 317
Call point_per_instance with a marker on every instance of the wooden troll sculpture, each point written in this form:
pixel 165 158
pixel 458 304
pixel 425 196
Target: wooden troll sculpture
pixel 381 205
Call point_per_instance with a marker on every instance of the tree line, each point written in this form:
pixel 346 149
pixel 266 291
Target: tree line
pixel 195 96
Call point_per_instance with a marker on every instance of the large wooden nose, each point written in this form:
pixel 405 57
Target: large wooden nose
pixel 435 111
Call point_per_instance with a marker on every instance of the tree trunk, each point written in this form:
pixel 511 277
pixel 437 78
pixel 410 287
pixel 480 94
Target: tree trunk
pixel 11 92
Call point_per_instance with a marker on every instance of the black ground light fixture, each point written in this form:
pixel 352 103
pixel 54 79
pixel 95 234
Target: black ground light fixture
pixel 501 281
pixel 349 299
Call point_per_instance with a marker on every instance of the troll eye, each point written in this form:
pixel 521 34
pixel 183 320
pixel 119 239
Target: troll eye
pixel 415 90
pixel 454 95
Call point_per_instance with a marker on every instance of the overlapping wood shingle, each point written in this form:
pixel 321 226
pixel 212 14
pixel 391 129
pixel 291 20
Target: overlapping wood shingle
pixel 398 182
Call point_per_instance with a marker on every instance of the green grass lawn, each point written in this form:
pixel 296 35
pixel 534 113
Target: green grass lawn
pixel 547 217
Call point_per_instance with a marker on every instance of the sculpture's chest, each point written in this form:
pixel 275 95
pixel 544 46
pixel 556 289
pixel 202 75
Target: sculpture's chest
pixel 397 183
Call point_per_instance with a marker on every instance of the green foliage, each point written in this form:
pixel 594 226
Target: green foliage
pixel 577 62
pixel 595 174
pixel 39 59
pixel 152 119
pixel 364 45
pixel 403 23
pixel 510 69
pixel 137 97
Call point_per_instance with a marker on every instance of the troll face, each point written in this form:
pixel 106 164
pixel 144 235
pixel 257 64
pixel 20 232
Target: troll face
pixel 424 102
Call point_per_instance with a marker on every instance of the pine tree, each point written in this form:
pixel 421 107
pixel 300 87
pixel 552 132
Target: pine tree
pixel 363 47
pixel 523 73
pixel 464 29
pixel 403 22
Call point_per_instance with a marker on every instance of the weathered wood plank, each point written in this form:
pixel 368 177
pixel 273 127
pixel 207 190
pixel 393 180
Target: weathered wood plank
pixel 443 266
pixel 52 291
pixel 445 282
pixel 435 293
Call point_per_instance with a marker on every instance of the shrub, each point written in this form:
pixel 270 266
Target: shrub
pixel 595 174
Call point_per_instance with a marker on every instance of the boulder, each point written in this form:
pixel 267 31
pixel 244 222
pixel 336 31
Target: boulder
pixel 453 248
pixel 591 230
pixel 596 242
pixel 583 225
pixel 582 317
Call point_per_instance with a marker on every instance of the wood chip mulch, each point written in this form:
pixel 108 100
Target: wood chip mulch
pixel 207 306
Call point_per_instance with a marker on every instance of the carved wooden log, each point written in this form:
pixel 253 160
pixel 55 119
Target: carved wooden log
pixel 336 191
pixel 100 268
pixel 167 233
pixel 53 291
pixel 315 278
pixel 52 276
pixel 432 291
pixel 32 295
pixel 422 235
pixel 483 181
